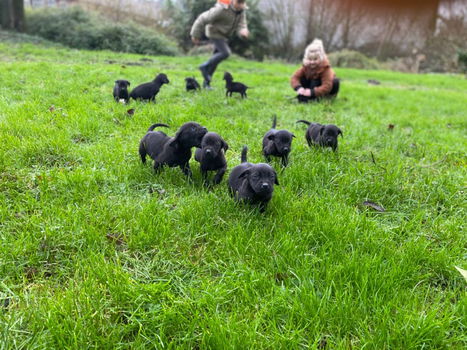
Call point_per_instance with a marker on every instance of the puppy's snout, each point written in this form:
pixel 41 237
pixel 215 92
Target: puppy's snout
pixel 286 149
pixel 264 186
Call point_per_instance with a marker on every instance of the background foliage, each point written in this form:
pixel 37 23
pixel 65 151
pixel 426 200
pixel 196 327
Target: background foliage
pixel 79 29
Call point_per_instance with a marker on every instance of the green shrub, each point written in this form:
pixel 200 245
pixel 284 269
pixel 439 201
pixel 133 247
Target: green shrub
pixel 78 29
pixel 352 59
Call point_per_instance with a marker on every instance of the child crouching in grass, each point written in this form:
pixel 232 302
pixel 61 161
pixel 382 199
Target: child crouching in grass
pixel 315 79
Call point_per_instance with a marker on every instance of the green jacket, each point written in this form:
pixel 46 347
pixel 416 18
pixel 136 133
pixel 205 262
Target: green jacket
pixel 219 22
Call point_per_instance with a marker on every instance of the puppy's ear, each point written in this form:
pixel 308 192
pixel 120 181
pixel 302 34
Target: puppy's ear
pixel 173 143
pixel 178 134
pixel 271 137
pixel 276 181
pixel 244 174
pixel 293 135
pixel 321 130
pixel 127 82
pixel 339 132
pixel 116 81
pixel 225 146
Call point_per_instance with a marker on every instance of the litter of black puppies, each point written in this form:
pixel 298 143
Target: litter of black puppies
pixel 171 151
pixel 253 183
pixel 148 91
pixel 232 86
pixel 277 143
pixel 191 84
pixel 322 135
pixel 121 90
pixel 211 156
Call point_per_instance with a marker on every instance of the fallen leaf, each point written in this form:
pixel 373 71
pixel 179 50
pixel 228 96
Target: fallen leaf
pixel 462 271
pixel 52 108
pixel 374 206
pixel 391 127
pixel 374 82
pixel 123 66
pixel 281 277
pixel 131 111
pixel 323 343
pixel 115 237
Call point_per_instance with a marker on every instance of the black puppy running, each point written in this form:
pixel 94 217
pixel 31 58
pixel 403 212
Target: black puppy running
pixel 232 86
pixel 253 183
pixel 172 151
pixel 148 91
pixel 277 143
pixel 322 135
pixel 211 157
pixel 192 84
pixel 121 90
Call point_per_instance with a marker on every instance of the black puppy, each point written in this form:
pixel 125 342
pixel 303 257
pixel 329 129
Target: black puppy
pixel 172 151
pixel 148 91
pixel 277 143
pixel 211 157
pixel 192 84
pixel 253 183
pixel 121 90
pixel 232 86
pixel 322 135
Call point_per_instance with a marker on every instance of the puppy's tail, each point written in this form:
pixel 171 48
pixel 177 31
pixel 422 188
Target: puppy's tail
pixel 153 126
pixel 244 152
pixel 303 121
pixel 274 121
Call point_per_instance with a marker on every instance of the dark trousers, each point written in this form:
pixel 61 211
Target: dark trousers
pixel 221 52
pixel 310 84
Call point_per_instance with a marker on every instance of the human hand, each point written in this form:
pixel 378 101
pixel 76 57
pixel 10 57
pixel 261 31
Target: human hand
pixel 301 91
pixel 195 41
pixel 307 92
pixel 244 33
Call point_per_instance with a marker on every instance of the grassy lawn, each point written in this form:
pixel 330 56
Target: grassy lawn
pixel 96 251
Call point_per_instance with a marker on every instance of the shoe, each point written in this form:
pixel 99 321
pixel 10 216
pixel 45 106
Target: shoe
pixel 205 72
pixel 206 85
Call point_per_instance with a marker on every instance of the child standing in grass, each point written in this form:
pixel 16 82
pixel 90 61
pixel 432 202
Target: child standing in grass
pixel 218 23
pixel 315 79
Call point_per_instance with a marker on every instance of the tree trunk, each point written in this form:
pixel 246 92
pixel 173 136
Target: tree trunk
pixel 12 14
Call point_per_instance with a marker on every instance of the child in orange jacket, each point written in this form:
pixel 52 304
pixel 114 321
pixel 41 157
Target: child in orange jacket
pixel 315 79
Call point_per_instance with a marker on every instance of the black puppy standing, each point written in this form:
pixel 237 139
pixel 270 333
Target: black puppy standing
pixel 232 86
pixel 192 84
pixel 322 135
pixel 148 91
pixel 253 183
pixel 277 143
pixel 121 90
pixel 171 151
pixel 211 156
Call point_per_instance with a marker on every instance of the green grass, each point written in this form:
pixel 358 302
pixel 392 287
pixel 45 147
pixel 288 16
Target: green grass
pixel 96 251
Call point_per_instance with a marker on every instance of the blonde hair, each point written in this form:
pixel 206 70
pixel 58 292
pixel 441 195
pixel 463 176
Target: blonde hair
pixel 315 48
